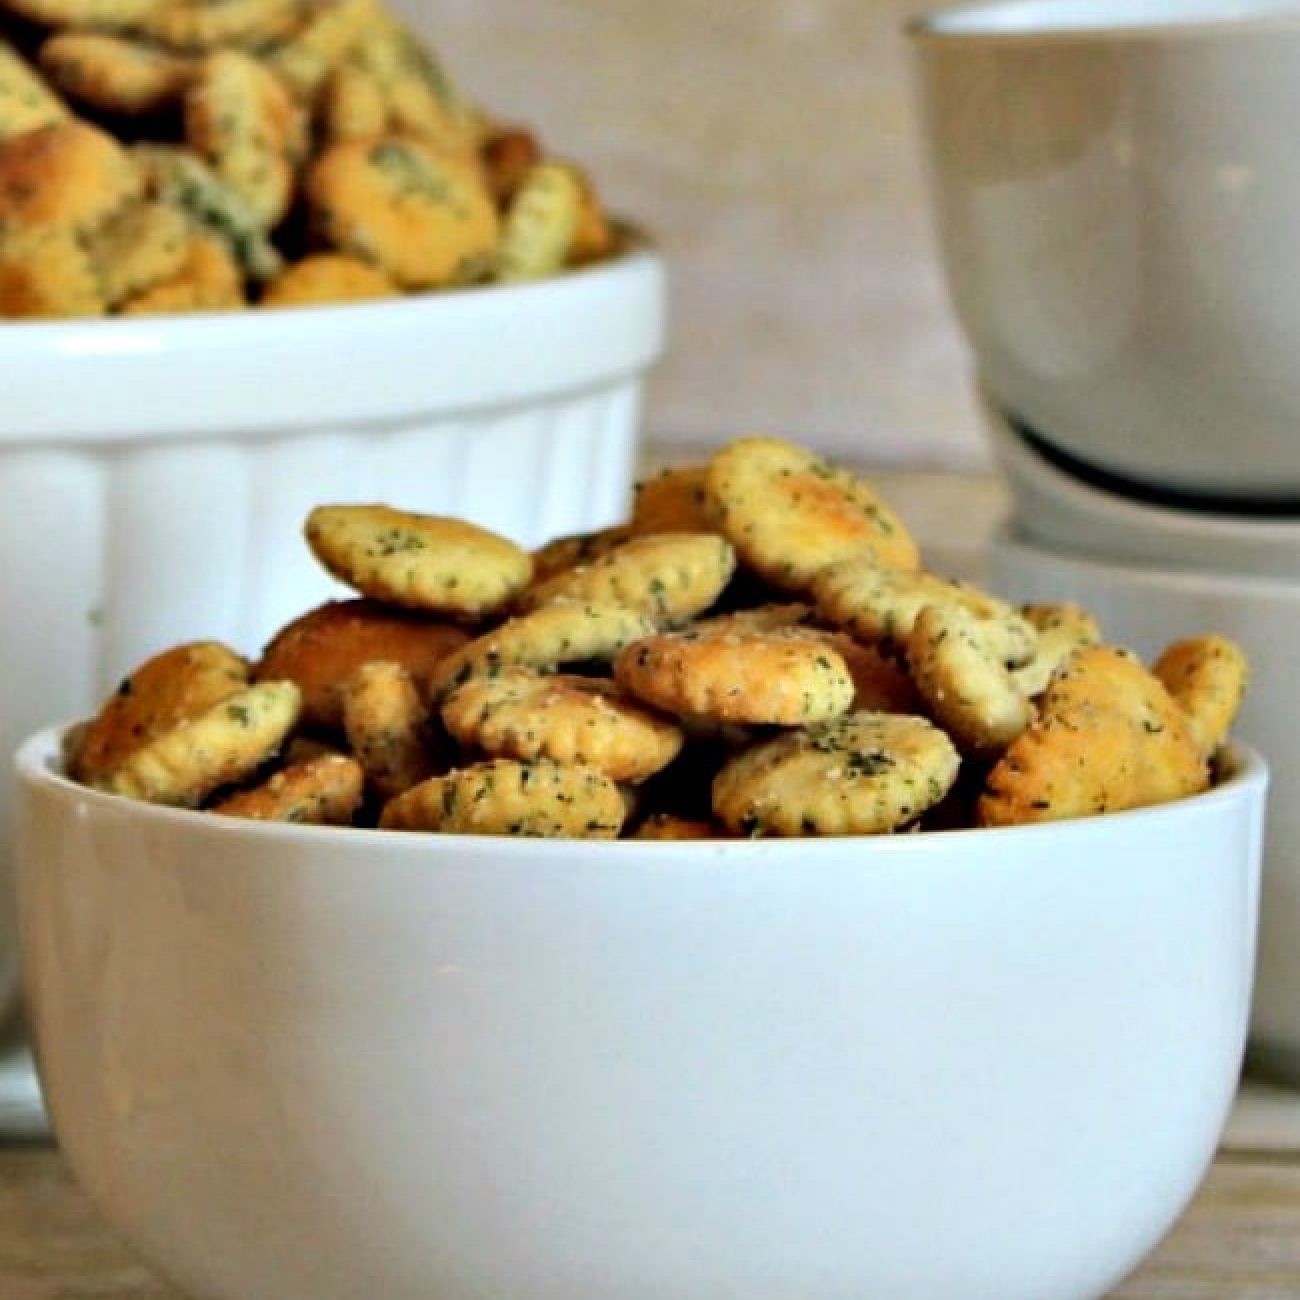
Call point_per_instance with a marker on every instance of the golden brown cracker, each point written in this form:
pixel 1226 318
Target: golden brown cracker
pixel 861 774
pixel 324 278
pixel 224 745
pixel 510 797
pixel 1108 736
pixel 789 512
pixel 426 219
pixel 519 713
pixel 418 561
pixel 324 790
pixel 321 649
pixel 669 576
pixel 752 678
pixel 1207 676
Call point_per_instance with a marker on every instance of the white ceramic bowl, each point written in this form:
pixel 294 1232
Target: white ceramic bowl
pixel 977 1065
pixel 155 472
pixel 1117 201
pixel 1055 506
pixel 1147 608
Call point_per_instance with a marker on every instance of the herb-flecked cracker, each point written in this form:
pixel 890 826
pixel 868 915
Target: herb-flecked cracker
pixel 776 677
pixel 1207 676
pixel 1108 736
pixel 967 687
pixel 568 718
pixel 509 797
pixel 564 632
pixel 669 576
pixel 224 745
pixel 416 560
pixel 879 603
pixel 324 790
pixel 861 774
pixel 169 688
pixel 789 512
pixel 425 218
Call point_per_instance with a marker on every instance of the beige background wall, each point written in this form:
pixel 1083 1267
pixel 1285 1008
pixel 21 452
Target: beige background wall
pixel 771 146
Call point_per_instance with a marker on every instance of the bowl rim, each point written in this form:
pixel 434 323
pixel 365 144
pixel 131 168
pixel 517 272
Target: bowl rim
pixel 36 765
pixel 254 371
pixel 961 24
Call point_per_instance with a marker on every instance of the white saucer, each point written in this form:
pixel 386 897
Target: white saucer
pixel 1071 515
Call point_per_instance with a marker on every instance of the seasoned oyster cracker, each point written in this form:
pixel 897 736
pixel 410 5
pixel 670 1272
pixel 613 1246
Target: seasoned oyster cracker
pixel 26 99
pixel 1108 736
pixel 419 561
pixel 509 797
pixel 672 501
pixel 306 59
pixel 1061 628
pixel 199 25
pixel 141 246
pixel 540 224
pixel 425 218
pixel 326 278
pixel 519 713
pixel 324 790
pixel 180 177
pixel 777 677
pixel 861 774
pixel 321 649
pixel 68 173
pixel 574 549
pixel 877 603
pixel 669 576
pixel 967 688
pixel 169 688
pixel 789 513
pixel 224 745
pixel 106 14
pixel 565 632
pixel 1207 677
pixel 47 271
pixel 114 74
pixel 669 826
pixel 240 117
pixel 386 724
pixel 207 279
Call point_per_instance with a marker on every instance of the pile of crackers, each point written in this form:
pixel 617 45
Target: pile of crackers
pixel 757 651
pixel 163 156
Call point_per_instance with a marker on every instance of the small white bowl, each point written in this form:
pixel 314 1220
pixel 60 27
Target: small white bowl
pixel 976 1065
pixel 155 472
pixel 1117 200
pixel 1055 506
pixel 1147 608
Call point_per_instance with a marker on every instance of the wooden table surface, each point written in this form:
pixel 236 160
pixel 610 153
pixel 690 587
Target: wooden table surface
pixel 1239 1239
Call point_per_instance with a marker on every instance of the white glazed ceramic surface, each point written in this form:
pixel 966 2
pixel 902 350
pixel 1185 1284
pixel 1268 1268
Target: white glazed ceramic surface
pixel 1056 508
pixel 1147 608
pixel 294 1062
pixel 1117 196
pixel 155 473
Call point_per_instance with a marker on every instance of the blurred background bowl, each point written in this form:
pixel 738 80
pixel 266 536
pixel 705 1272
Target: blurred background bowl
pixel 1117 200
pixel 442 1067
pixel 1052 504
pixel 161 498
pixel 1147 607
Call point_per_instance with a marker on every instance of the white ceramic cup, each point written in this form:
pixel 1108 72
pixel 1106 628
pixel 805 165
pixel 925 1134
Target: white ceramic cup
pixel 155 473
pixel 1117 198
pixel 1146 608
